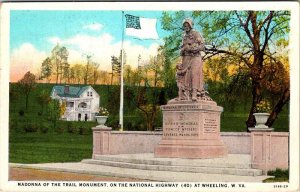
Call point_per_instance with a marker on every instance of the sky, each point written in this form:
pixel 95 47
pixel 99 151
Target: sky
pixel 34 33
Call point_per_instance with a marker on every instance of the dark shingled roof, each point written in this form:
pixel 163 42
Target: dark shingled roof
pixel 73 91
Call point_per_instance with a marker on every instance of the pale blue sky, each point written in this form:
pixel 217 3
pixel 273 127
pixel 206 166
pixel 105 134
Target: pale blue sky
pixel 36 27
pixel 34 33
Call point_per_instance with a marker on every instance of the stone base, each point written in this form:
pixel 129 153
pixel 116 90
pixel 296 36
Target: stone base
pixel 191 130
pixel 190 151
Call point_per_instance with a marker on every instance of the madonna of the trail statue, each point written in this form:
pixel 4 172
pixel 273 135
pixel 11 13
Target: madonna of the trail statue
pixel 189 73
pixel 192 44
pixel 191 122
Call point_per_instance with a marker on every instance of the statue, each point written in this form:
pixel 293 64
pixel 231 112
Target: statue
pixel 189 74
pixel 191 122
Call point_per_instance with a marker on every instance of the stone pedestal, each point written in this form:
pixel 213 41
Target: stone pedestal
pixel 269 150
pixel 191 129
pixel 101 140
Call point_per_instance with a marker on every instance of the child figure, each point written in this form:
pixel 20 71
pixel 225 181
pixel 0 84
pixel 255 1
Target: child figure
pixel 180 78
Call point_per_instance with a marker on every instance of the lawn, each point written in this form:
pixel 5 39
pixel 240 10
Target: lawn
pixel 49 147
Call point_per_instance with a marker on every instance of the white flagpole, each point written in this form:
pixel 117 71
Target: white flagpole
pixel 122 88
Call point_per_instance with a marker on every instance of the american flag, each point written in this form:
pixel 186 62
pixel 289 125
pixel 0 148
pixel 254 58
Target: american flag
pixel 140 27
pixel 132 22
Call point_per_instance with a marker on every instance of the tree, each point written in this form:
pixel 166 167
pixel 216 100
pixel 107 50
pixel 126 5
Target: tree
pixel 26 85
pixel 87 70
pixel 128 73
pixel 247 38
pixel 54 111
pixel 148 98
pixel 46 69
pixel 78 73
pixel 96 72
pixel 115 67
pixel 43 99
pixel 59 58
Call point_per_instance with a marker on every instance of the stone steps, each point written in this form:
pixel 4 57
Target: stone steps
pixel 209 166
pixel 173 161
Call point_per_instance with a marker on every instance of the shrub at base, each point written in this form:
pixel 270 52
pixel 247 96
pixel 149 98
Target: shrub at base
pixel 71 127
pixel 44 128
pixel 30 127
pixel 21 113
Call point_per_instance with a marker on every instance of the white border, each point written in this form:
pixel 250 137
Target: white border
pixel 294 77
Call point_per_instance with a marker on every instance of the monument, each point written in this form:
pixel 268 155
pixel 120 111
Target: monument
pixel 191 122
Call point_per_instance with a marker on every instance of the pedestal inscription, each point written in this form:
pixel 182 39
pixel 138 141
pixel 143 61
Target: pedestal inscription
pixel 181 125
pixel 210 124
pixel 191 130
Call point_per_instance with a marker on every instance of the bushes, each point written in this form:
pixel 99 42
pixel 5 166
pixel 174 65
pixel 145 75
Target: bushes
pixel 71 127
pixel 131 123
pixel 21 112
pixel 30 127
pixel 31 124
pixel 44 127
pixel 279 173
pixel 279 176
pixel 77 127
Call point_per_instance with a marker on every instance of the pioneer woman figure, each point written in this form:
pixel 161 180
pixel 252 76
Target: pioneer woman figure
pixel 192 44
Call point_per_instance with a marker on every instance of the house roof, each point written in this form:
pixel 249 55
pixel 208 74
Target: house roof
pixel 74 92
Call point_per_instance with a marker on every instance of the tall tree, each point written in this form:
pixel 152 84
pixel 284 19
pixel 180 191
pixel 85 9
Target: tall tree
pixel 43 98
pixel 59 58
pixel 26 85
pixel 78 73
pixel 96 72
pixel 147 98
pixel 87 71
pixel 115 67
pixel 46 69
pixel 248 38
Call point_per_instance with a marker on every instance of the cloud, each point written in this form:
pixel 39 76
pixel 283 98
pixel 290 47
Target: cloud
pixel 25 58
pixel 93 26
pixel 55 40
pixel 101 48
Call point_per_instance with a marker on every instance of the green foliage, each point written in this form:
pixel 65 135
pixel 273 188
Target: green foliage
pixel 44 127
pixel 59 63
pixel 46 68
pixel 26 85
pixel 21 112
pixel 280 175
pixel 43 99
pixel 30 127
pixel 54 112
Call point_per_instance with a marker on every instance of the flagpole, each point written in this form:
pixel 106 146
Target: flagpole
pixel 122 88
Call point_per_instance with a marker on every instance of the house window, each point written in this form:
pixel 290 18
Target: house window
pixel 82 105
pixel 88 93
pixel 91 94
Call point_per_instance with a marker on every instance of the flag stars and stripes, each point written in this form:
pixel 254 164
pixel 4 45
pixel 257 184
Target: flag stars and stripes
pixel 132 22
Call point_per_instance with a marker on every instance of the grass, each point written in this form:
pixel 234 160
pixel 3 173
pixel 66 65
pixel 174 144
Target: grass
pixel 231 122
pixel 50 147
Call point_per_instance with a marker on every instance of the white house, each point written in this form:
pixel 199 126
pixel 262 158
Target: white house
pixel 81 102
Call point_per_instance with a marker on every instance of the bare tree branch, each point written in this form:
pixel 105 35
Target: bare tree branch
pixel 245 26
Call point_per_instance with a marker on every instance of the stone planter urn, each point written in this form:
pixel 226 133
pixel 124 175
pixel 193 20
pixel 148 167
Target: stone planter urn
pixel 261 119
pixel 101 120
